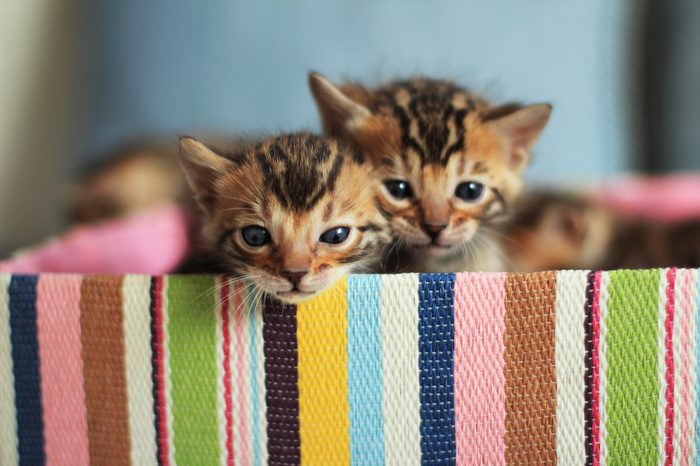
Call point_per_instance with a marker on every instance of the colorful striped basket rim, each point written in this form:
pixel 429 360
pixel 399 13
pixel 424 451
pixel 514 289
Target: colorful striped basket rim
pixel 569 367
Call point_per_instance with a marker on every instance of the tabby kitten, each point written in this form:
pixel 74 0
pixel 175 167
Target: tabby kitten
pixel 557 230
pixel 450 163
pixel 292 213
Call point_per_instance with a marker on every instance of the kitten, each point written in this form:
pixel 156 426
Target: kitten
pixel 555 230
pixel 450 162
pixel 130 179
pixel 140 175
pixel 293 213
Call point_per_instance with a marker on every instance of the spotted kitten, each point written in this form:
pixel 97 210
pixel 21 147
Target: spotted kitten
pixel 450 162
pixel 293 213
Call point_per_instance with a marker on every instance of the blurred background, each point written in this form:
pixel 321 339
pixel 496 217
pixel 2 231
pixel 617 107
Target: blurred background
pixel 80 78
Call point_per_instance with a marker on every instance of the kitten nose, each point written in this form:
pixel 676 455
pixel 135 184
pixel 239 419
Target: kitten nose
pixel 294 277
pixel 433 230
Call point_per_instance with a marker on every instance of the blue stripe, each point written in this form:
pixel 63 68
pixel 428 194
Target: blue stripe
pixel 436 346
pixel 365 370
pixel 25 358
pixel 254 315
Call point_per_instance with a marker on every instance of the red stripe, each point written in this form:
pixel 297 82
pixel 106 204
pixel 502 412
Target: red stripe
pixel 164 455
pixel 227 370
pixel 670 367
pixel 596 370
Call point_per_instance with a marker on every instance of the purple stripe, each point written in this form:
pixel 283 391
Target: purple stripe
pixel 588 398
pixel 281 382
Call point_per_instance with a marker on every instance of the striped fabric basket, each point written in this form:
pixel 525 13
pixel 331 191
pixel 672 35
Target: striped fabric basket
pixel 558 367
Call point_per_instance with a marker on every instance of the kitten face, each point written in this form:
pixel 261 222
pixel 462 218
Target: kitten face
pixel 294 213
pixel 449 162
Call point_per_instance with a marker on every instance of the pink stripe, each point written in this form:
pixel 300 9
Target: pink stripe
pixel 685 369
pixel 479 365
pixel 595 405
pixel 227 370
pixel 670 365
pixel 239 321
pixel 62 394
pixel 158 342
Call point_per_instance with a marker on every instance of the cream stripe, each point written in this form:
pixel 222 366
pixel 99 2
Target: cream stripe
pixel 401 396
pixel 220 387
pixel 692 369
pixel 260 375
pixel 8 416
pixel 680 355
pixel 168 373
pixel 603 375
pixel 661 367
pixel 139 381
pixel 570 351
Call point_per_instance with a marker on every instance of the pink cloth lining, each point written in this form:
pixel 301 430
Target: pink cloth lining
pixel 150 242
pixel 670 198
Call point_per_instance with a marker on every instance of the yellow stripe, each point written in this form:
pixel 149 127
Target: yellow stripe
pixel 323 390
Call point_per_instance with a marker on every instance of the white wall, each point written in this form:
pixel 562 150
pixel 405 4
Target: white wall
pixel 41 75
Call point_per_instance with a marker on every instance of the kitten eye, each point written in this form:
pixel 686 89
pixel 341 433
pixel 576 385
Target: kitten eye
pixel 335 235
pixel 255 236
pixel 470 191
pixel 399 189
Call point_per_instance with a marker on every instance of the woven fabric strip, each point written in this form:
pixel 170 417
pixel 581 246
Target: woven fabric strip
pixel 479 376
pixel 400 369
pixel 570 354
pixel 257 383
pixel 8 414
pixel 240 358
pixel 600 309
pixel 530 369
pixel 632 367
pixel 695 298
pixel 158 370
pixel 227 299
pixel 281 383
pixel 666 351
pixel 192 347
pixel 436 345
pixel 567 367
pixel 365 370
pixel 243 380
pixel 684 354
pixel 592 374
pixel 25 354
pixel 63 396
pixel 102 338
pixel 323 390
pixel 139 384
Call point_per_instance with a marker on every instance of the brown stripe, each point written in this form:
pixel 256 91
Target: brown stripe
pixel 102 336
pixel 529 369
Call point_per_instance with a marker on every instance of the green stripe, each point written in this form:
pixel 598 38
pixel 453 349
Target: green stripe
pixel 633 386
pixel 192 346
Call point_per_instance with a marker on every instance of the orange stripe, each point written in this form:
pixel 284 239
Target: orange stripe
pixel 530 369
pixel 102 336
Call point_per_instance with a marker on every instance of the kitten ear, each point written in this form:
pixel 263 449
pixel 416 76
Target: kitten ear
pixel 339 113
pixel 202 166
pixel 521 126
